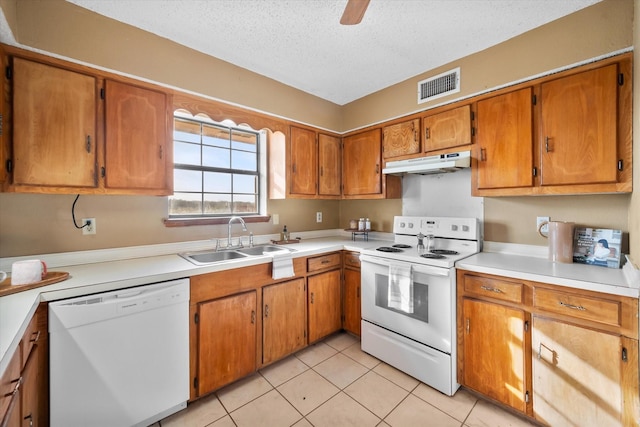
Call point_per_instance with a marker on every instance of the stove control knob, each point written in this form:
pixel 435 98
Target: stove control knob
pixel 465 228
pixel 402 225
pixel 454 227
pixel 410 225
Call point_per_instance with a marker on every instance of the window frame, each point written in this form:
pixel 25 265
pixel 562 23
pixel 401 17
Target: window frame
pixel 261 175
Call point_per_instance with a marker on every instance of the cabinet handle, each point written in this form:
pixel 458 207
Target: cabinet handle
pixel 321 171
pixel 377 168
pixel 483 154
pixel 161 151
pixel 16 388
pixel 554 355
pixel 88 143
pixel 325 261
pixel 358 291
pixel 30 418
pixel 253 317
pixel 490 289
pixel 36 338
pixel 311 297
pixel 571 306
pixel 427 133
pixel 546 144
pixel 266 310
pixel 467 327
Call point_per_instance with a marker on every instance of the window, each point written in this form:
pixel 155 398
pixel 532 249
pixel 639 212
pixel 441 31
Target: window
pixel 217 169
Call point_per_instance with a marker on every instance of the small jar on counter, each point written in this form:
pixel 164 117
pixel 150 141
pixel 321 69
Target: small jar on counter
pixel 367 224
pixel 353 224
pixel 361 224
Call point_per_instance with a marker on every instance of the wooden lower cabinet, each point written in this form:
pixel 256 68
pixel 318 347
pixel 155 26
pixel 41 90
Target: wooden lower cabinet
pixel 563 356
pixel 325 314
pixel 351 302
pixel 283 319
pixel 28 404
pixel 226 340
pixel 583 370
pixel 494 352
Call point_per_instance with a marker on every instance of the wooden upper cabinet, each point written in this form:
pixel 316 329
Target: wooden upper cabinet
pixel 330 165
pixel 504 141
pixel 579 128
pixel 401 139
pixel 448 129
pixel 54 126
pixel 138 147
pixel 304 162
pixel 362 158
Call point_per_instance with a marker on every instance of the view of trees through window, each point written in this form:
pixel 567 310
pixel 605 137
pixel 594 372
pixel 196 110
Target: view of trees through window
pixel 216 169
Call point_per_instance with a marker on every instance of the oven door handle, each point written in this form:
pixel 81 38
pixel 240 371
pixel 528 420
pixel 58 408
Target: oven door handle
pixel 421 269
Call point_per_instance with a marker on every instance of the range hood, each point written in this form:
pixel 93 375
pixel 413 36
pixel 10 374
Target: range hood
pixel 441 163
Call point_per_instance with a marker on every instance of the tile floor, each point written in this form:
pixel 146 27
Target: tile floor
pixel 334 383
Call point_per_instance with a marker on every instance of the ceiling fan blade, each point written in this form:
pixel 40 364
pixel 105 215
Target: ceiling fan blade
pixel 354 11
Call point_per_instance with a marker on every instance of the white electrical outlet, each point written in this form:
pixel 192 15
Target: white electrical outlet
pixel 540 220
pixel 88 229
pixel 276 219
pixel 318 216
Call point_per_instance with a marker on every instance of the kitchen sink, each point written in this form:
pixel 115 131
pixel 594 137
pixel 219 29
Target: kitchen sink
pixel 258 250
pixel 213 256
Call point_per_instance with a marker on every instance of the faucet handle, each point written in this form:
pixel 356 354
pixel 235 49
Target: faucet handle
pixel 251 239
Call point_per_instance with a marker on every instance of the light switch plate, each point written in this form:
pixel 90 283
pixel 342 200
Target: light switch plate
pixel 540 220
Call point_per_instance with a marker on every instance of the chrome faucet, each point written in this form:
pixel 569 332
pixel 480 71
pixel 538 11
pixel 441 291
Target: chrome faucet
pixel 244 228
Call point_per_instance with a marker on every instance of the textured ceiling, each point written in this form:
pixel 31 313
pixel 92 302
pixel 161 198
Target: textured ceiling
pixel 301 43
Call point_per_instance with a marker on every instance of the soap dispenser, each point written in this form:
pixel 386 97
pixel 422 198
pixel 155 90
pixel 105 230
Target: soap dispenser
pixel 284 236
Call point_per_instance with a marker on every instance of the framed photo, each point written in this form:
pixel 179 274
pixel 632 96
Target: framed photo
pixel 597 246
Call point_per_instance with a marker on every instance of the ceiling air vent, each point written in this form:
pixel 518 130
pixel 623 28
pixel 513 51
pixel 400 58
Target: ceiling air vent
pixel 438 86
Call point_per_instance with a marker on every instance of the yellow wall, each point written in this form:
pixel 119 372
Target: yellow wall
pixel 32 224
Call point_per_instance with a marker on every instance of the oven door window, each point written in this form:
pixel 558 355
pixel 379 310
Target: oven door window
pixel 419 296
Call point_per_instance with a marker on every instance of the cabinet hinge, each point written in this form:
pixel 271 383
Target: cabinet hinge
pixel 534 99
pixel 620 79
pixel 625 358
pixel 620 165
pixel 102 93
pixel 526 326
pixel 103 172
pixel 196 318
pixel 526 397
pixel 9 165
pixel 535 171
pixel 1 121
pixel 195 383
pixel 305 333
pixel 8 72
pixel 473 115
pixel 473 131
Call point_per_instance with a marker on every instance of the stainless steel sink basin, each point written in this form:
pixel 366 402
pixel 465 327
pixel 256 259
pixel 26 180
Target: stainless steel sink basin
pixel 209 257
pixel 259 250
pixel 213 256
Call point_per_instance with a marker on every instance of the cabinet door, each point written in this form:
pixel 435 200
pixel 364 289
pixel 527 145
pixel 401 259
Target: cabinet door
pixel 361 170
pixel 227 340
pixel 54 126
pixel 401 139
pixel 137 153
pixel 304 162
pixel 351 300
pixel 579 128
pixel 32 389
pixel 494 352
pixel 283 324
pixel 448 129
pixel 578 375
pixel 505 140
pixel 329 161
pixel 324 304
pixel 10 414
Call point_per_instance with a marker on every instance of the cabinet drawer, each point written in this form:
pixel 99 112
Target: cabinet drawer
pixel 589 308
pixel 352 259
pixel 323 262
pixel 493 288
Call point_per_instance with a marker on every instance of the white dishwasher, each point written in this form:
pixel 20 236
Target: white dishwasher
pixel 120 358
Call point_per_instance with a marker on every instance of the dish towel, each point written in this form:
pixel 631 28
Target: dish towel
pixel 282 264
pixel 400 288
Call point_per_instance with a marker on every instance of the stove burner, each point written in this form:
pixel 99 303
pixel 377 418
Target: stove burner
pixel 402 246
pixel 444 252
pixel 432 256
pixel 388 249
